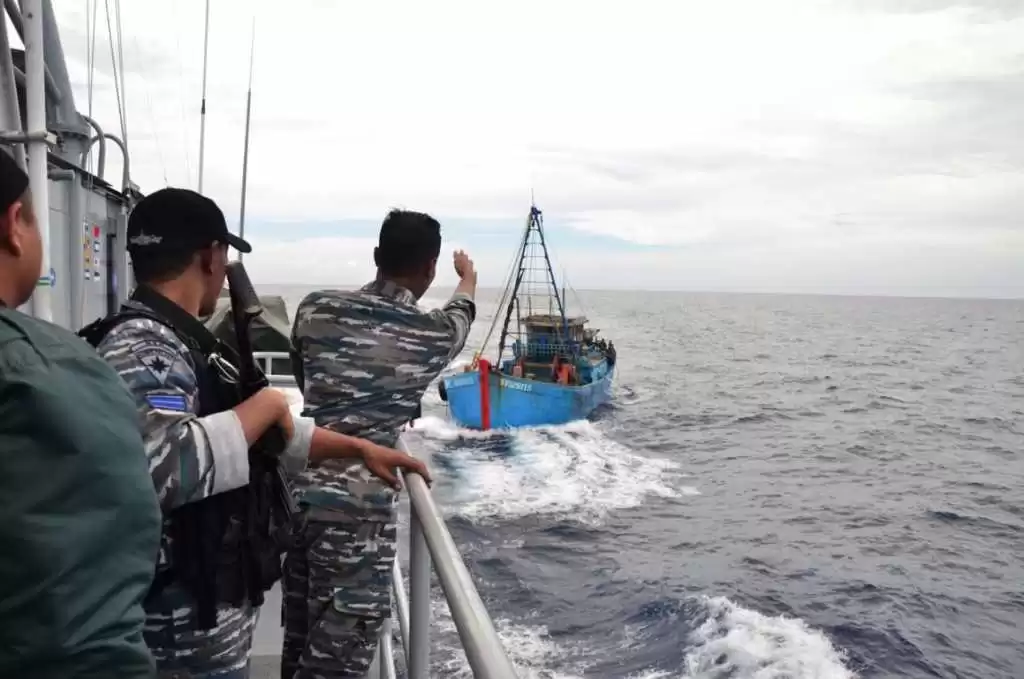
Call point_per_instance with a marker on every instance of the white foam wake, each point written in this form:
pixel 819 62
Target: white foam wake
pixel 733 643
pixel 570 471
pixel 738 643
pixel 530 648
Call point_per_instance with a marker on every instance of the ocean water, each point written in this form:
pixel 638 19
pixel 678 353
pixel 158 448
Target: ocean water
pixel 785 487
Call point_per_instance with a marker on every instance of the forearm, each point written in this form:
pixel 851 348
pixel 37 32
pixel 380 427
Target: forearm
pixel 258 413
pixel 456 318
pixel 330 445
pixel 466 286
pixel 194 458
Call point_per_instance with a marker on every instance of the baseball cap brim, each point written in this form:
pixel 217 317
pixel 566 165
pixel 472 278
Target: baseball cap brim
pixel 238 243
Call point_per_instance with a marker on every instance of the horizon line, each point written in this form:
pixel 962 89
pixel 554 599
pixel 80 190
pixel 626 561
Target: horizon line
pixel 1010 297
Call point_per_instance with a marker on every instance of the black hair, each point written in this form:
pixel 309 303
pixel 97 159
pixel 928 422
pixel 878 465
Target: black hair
pixel 26 208
pixel 160 267
pixel 409 241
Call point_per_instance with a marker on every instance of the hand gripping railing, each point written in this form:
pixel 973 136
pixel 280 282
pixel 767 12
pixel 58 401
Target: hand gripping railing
pixel 430 541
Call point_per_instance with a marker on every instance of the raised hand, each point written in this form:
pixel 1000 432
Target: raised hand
pixel 463 265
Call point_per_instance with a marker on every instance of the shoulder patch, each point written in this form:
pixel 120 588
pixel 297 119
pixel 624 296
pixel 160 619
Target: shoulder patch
pixel 158 357
pixel 175 402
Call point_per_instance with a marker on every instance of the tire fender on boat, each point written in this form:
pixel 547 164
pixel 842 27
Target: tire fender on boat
pixel 442 391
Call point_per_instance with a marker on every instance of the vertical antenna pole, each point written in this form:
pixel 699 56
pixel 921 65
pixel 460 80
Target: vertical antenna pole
pixel 245 152
pixel 202 112
pixel 35 93
pixel 565 300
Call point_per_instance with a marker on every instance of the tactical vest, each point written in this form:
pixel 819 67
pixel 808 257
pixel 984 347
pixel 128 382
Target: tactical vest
pixel 228 547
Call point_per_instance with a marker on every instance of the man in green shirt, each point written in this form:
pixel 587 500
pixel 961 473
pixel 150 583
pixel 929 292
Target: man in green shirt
pixel 79 518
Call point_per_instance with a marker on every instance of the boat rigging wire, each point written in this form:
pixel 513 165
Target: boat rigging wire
pixel 501 302
pixel 152 118
pixel 120 63
pixel 117 82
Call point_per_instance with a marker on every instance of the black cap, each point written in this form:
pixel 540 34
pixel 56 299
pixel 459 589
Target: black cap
pixel 13 181
pixel 178 220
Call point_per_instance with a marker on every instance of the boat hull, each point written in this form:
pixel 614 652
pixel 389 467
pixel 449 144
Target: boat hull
pixel 516 402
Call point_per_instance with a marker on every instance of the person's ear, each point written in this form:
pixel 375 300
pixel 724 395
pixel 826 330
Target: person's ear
pixel 208 259
pixel 13 223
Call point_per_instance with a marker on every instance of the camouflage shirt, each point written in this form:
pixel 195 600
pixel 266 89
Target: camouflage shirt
pixel 190 457
pixel 367 357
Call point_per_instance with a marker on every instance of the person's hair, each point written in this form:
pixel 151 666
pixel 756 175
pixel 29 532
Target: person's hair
pixel 408 242
pixel 161 267
pixel 26 208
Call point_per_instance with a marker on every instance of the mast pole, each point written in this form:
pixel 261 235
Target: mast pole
pixel 535 218
pixel 245 152
pixel 35 105
pixel 202 111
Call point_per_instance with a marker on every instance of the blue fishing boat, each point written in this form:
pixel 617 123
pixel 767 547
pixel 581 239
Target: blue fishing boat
pixel 550 368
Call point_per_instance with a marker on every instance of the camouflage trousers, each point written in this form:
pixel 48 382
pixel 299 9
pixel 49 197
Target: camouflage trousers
pixel 336 594
pixel 184 652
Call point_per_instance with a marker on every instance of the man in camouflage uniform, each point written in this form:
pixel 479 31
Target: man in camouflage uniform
pixel 364 359
pixel 178 242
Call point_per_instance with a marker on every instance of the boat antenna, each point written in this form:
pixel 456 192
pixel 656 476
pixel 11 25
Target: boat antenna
pixel 202 111
pixel 245 152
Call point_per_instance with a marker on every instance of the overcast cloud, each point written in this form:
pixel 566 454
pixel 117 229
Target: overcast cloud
pixel 855 147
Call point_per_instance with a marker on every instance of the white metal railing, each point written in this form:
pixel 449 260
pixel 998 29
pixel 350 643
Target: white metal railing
pixel 276 365
pixel 430 543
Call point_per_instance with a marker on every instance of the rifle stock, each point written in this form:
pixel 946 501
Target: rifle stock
pixel 245 307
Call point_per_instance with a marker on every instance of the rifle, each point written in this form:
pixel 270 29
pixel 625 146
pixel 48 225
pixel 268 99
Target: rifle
pixel 245 307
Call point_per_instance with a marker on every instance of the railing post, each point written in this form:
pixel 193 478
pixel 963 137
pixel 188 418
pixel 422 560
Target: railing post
pixel 385 653
pixel 480 640
pixel 401 607
pixel 419 600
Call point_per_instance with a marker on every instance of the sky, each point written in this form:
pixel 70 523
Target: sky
pixel 821 146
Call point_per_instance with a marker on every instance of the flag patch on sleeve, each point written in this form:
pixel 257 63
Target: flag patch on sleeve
pixel 175 402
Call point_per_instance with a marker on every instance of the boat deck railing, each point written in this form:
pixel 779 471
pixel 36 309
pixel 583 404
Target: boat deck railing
pixel 545 349
pixel 430 544
pixel 277 366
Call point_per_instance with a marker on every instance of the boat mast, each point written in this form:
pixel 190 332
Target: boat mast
pixel 202 111
pixel 245 152
pixel 537 218
pixel 534 224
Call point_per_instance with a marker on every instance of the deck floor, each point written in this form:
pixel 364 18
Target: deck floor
pixel 266 643
pixel 265 667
